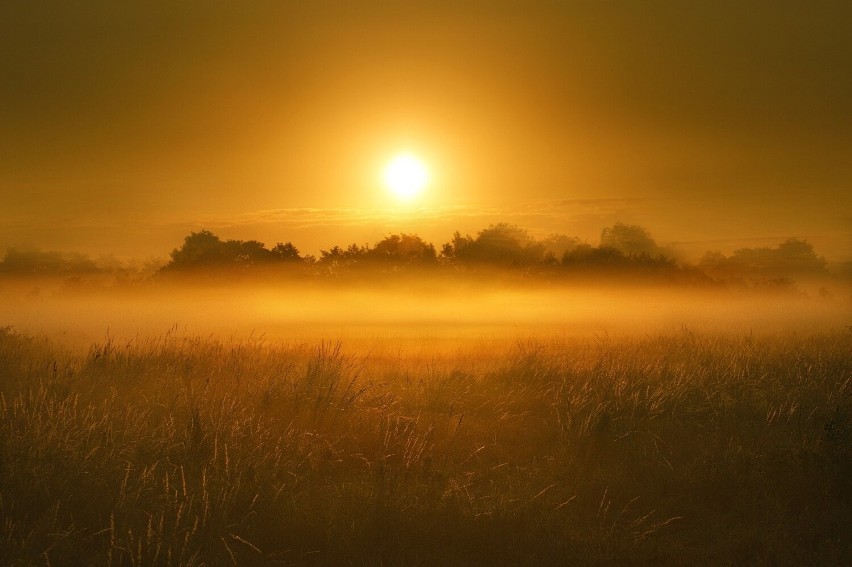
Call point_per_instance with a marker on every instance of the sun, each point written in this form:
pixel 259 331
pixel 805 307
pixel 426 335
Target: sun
pixel 406 176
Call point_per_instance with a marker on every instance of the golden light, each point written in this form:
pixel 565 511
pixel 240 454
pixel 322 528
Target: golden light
pixel 406 176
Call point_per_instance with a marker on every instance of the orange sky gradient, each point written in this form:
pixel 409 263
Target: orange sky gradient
pixel 123 126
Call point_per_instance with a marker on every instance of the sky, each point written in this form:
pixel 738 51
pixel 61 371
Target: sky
pixel 715 125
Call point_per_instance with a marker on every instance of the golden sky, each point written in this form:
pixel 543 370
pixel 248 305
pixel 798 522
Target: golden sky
pixel 123 125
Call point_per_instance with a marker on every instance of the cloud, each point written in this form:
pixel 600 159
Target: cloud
pixel 531 215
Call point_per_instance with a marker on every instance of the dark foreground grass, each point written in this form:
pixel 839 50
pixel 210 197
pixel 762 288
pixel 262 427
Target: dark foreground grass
pixel 187 451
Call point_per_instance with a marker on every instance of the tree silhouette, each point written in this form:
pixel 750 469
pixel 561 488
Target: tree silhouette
pixel 395 250
pixel 200 249
pixel 457 248
pixel 404 249
pixel 499 244
pixel 626 249
pixel 337 257
pixel 248 253
pixel 632 240
pixel 37 263
pixel 793 257
pixel 557 245
pixel 286 252
pixel 588 258
pixel 606 259
pixel 204 249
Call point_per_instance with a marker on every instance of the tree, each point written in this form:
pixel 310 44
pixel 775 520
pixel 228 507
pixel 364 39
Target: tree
pixel 500 243
pixel 585 256
pixel 793 257
pixel 559 244
pixel 286 252
pixel 36 262
pixel 404 249
pixel 457 248
pixel 798 256
pixel 204 249
pixel 338 256
pixel 199 249
pixel 632 240
pixel 249 252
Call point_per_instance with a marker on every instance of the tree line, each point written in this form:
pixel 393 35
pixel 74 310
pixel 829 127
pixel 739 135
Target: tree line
pixel 499 245
pixel 623 249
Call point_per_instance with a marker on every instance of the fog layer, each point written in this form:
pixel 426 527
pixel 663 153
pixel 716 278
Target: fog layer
pixel 424 316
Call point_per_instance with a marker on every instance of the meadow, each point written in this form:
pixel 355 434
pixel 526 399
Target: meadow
pixel 666 447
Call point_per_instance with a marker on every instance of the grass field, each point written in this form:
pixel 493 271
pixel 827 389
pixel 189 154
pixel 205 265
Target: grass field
pixel 674 448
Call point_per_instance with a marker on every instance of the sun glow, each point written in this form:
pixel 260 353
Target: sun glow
pixel 406 176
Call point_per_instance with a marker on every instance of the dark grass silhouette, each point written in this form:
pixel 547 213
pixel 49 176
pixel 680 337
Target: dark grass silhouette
pixel 680 448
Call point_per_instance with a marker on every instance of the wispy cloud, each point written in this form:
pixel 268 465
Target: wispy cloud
pixel 551 212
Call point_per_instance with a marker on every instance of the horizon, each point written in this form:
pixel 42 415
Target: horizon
pixel 685 253
pixel 126 127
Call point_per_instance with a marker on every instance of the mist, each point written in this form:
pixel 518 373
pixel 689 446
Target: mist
pixel 421 314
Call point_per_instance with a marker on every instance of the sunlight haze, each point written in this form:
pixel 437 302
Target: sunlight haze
pixel 125 126
pixel 425 282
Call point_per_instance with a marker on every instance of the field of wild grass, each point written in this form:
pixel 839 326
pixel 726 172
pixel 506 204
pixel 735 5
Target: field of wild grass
pixel 678 448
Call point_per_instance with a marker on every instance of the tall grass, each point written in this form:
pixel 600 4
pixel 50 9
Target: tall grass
pixel 178 450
